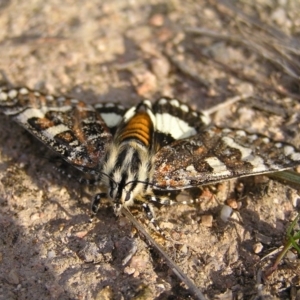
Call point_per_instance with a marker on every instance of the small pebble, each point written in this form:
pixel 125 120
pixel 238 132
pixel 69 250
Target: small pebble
pixel 207 220
pixel 290 255
pixel 51 254
pixel 81 234
pixel 129 270
pixel 184 249
pixel 226 212
pixel 257 247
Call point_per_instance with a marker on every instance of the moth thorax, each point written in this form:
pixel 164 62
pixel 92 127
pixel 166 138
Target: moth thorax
pixel 129 170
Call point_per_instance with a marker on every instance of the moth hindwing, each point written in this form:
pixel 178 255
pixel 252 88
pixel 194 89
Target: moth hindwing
pixel 164 146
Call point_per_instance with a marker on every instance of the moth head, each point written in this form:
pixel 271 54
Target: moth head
pixel 119 193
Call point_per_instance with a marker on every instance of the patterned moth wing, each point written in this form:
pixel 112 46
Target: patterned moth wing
pixel 111 113
pixel 69 127
pixel 217 154
pixel 176 120
pixel 184 152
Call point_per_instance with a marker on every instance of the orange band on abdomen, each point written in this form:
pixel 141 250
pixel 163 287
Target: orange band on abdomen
pixel 139 127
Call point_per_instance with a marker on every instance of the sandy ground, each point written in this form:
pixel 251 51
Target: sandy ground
pixel 201 52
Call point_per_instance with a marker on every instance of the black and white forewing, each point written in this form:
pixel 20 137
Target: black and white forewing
pixel 176 120
pixel 70 127
pixel 217 154
pixel 111 113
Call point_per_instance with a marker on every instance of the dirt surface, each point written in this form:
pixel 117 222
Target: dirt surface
pixel 202 52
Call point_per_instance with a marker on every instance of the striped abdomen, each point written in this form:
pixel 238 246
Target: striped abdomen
pixel 139 127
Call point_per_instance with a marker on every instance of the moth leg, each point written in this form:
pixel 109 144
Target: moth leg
pixel 150 215
pixel 163 200
pixel 87 181
pixel 169 202
pixel 96 204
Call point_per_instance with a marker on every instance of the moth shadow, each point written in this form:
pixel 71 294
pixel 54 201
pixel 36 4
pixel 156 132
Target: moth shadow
pixel 46 234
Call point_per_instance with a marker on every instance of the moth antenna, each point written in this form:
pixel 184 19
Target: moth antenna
pixel 109 177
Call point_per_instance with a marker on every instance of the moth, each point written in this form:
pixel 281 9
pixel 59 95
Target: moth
pixel 133 153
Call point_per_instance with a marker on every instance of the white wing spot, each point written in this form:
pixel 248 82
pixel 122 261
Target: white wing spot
pixel 85 108
pixel 23 91
pixel 184 108
pixel 226 130
pixel 190 168
pixel 252 138
pixel 51 132
pixel 49 98
pixel 258 164
pixel 241 133
pixel 129 114
pixel 246 152
pixel 111 119
pixel 28 114
pixel 178 128
pixel 295 156
pixel 288 150
pixel 162 101
pixel 12 94
pixel 205 119
pixel 74 143
pixel 148 103
pixel 59 108
pixel 3 96
pixel 266 140
pixel 110 105
pixel 175 102
pixel 256 161
pixel 218 167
